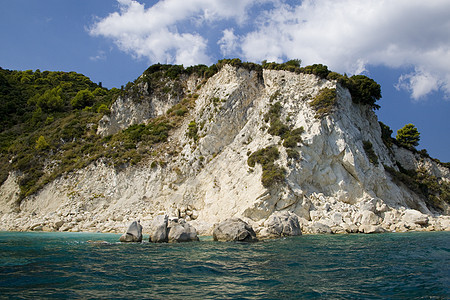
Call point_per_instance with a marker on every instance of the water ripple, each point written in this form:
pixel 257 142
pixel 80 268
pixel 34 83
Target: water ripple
pixel 65 265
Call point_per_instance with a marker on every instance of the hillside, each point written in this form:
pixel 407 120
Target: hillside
pixel 209 143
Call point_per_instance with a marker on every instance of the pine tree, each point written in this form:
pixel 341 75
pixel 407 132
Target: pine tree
pixel 408 136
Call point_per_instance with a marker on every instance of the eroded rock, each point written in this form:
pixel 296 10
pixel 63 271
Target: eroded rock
pixel 180 231
pixel 371 229
pixel 234 230
pixel 133 234
pixel 158 229
pixel 281 223
pixel 320 228
pixel 413 216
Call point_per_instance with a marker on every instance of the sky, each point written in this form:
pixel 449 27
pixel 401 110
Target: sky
pixel 404 45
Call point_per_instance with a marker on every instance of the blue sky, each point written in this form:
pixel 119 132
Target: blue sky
pixel 404 44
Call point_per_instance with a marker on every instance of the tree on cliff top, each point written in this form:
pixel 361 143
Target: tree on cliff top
pixel 364 90
pixel 408 136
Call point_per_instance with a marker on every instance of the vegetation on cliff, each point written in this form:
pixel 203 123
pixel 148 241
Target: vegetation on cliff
pixel 48 120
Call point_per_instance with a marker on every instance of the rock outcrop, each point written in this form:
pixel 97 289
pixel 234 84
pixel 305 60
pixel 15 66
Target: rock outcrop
pixel 158 229
pixel 133 234
pixel 180 231
pixel 163 230
pixel 280 224
pixel 234 230
pixel 202 172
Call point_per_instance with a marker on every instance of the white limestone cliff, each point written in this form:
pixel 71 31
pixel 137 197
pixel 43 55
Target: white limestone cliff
pixel 333 185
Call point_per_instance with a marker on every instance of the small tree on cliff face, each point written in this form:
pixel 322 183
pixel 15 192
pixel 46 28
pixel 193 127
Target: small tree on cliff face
pixel 364 90
pixel 408 136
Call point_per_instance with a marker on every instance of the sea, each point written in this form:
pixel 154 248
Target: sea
pixel 42 265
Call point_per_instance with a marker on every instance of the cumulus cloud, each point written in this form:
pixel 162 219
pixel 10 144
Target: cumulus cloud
pixel 419 83
pixel 228 43
pixel 350 35
pixel 347 35
pixel 157 33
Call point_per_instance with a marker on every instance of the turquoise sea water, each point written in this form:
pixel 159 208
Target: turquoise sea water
pixel 383 266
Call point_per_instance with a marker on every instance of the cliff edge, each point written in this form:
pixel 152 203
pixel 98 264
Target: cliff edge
pixel 247 143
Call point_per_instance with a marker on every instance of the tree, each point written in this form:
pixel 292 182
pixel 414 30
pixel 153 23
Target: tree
pixel 316 69
pixel 51 100
pixel 408 136
pixel 82 99
pixel 103 109
pixel 364 90
pixel 41 143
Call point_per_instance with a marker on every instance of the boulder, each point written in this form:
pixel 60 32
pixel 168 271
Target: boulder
pixel 369 218
pixel 320 228
pixel 159 230
pixel 281 223
pixel 412 216
pixel 180 231
pixel 371 229
pixel 133 234
pixel 234 229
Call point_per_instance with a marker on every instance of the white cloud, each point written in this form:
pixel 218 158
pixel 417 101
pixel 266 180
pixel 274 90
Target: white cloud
pixel 155 32
pixel 349 35
pixel 228 43
pixel 101 55
pixel 419 83
pixel 346 35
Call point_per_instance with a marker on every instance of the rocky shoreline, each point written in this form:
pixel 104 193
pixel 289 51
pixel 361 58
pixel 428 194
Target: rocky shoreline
pixel 281 223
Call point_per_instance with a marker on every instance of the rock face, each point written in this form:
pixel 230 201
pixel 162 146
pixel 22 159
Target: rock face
pixel 180 231
pixel 415 217
pixel 133 234
pixel 205 177
pixel 281 224
pixel 158 229
pixel 234 230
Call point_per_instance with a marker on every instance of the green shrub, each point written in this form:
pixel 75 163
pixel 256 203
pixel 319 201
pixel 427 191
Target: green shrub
pixel 103 109
pixel 263 156
pixel 278 128
pixel 272 174
pixel 291 65
pixel 99 92
pixel 316 69
pixel 49 120
pixel 436 193
pixel 274 112
pixel 41 144
pixel 193 131
pixel 364 90
pixel 82 99
pixel 291 153
pixel 324 102
pixel 51 100
pixel 181 112
pixel 386 134
pixel 293 137
pixel 368 148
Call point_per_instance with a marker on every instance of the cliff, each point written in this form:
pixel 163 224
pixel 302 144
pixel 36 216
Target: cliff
pixel 225 157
